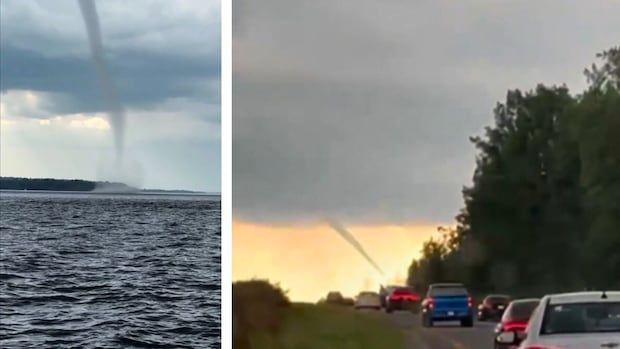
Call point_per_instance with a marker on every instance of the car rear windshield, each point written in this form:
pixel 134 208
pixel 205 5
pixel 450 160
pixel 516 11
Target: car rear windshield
pixel 448 291
pixel 581 318
pixel 368 293
pixel 521 311
pixel 403 290
pixel 497 299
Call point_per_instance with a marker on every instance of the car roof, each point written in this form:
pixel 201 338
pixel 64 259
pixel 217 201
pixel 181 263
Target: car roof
pixel 526 300
pixel 447 284
pixel 584 297
pixel 498 296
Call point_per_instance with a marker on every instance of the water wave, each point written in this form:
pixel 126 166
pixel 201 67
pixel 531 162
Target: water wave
pixel 108 272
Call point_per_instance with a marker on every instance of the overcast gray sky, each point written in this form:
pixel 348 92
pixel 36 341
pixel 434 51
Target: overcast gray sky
pixel 164 59
pixel 362 109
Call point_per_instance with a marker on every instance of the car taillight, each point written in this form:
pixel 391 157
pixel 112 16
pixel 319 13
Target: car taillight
pixel 514 325
pixel 429 302
pixel 469 302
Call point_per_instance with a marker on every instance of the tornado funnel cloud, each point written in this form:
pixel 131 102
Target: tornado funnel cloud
pixel 116 113
pixel 345 234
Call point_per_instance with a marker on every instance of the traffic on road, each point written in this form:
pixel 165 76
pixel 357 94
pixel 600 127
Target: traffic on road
pixel 444 318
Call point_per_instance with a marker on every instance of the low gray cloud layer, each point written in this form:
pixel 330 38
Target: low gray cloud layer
pixel 143 80
pixel 363 110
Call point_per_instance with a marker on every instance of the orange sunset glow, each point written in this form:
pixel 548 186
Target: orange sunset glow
pixel 310 260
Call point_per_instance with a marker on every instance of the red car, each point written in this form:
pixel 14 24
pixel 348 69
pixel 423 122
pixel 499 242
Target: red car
pixel 515 319
pixel 402 298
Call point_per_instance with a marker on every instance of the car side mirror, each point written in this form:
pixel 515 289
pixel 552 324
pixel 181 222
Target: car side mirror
pixel 507 338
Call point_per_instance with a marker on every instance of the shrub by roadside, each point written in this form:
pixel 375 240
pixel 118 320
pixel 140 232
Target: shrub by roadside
pixel 257 307
pixel 336 298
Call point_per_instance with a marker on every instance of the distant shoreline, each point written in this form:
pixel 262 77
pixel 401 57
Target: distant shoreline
pixel 77 186
pixel 139 192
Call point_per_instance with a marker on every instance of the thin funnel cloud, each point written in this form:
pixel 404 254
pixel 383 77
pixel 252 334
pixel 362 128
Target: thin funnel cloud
pixel 345 234
pixel 116 112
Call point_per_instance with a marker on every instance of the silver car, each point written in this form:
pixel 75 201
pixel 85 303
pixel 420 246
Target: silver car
pixel 572 321
pixel 368 300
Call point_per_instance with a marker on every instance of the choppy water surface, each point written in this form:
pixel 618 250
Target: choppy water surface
pixel 102 271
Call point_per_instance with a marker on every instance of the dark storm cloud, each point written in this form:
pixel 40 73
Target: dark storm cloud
pixel 44 48
pixel 142 79
pixel 363 110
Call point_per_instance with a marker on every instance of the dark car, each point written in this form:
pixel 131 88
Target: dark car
pixel 402 298
pixel 447 302
pixel 384 293
pixel 515 319
pixel 493 307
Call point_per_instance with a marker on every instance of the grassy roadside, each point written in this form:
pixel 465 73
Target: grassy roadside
pixel 309 326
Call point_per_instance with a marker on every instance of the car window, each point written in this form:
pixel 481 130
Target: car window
pixel 368 294
pixel 581 318
pixel 497 299
pixel 520 311
pixel 402 290
pixel 448 291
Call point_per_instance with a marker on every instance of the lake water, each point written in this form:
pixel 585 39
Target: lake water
pixel 109 271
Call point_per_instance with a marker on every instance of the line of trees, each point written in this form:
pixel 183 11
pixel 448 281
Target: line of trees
pixel 543 213
pixel 18 183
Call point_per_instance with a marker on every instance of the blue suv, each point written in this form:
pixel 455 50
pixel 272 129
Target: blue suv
pixel 447 302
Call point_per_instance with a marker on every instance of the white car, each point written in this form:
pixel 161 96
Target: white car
pixel 581 320
pixel 368 300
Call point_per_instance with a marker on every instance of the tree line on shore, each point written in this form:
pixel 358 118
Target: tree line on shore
pixel 543 212
pixel 52 184
pixel 18 183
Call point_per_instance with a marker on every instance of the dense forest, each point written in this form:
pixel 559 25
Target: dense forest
pixel 15 183
pixel 543 212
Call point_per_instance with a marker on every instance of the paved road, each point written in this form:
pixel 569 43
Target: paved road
pixel 443 335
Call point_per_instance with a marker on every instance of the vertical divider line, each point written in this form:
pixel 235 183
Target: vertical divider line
pixel 226 179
